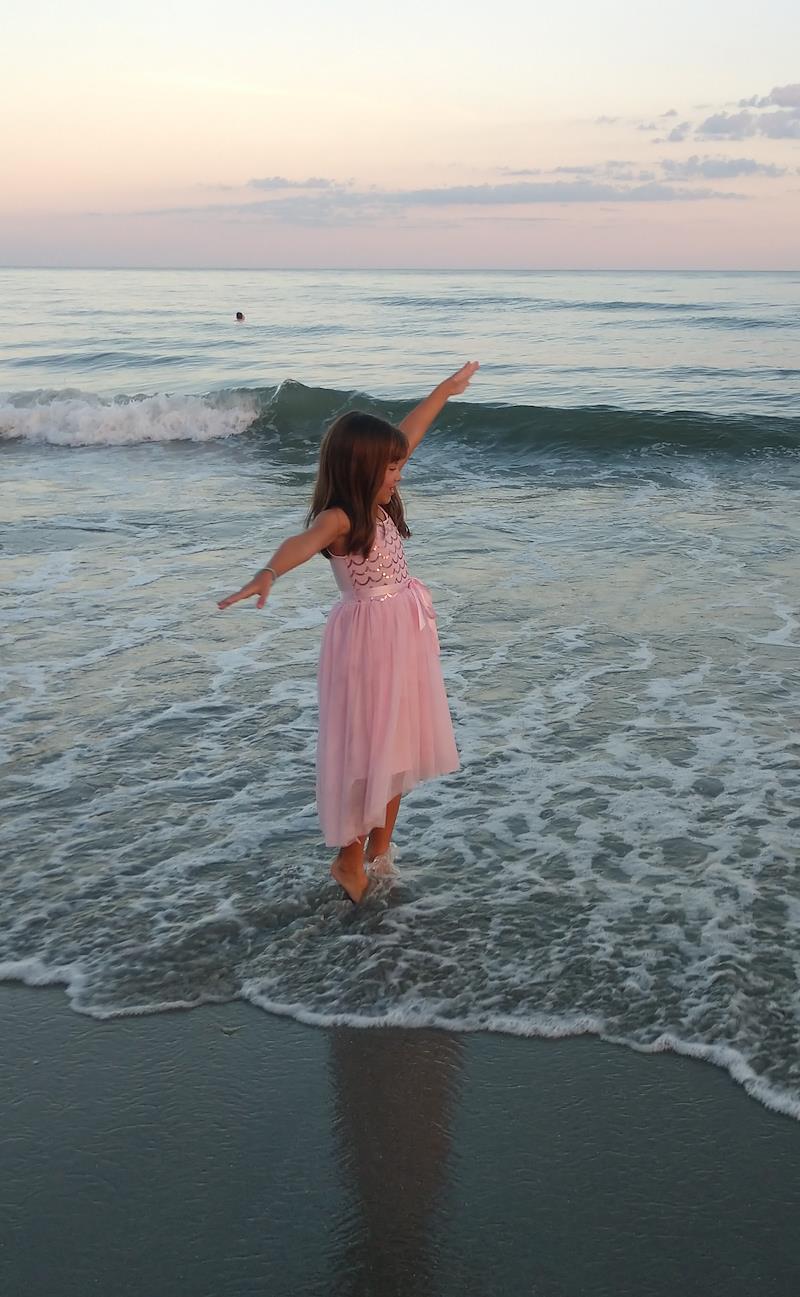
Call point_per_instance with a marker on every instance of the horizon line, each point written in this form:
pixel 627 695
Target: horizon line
pixel 440 270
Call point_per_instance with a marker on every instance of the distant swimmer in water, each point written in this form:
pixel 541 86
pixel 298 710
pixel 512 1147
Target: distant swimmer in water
pixel 239 317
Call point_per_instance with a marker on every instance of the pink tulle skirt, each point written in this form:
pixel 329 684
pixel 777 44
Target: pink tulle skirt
pixel 384 720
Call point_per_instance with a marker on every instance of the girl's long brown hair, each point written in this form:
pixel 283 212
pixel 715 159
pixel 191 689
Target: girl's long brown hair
pixel 355 453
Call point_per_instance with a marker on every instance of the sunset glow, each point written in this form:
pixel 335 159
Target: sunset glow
pixel 250 135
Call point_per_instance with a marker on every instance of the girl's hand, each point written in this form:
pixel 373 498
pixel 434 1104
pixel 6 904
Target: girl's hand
pixel 460 380
pixel 260 585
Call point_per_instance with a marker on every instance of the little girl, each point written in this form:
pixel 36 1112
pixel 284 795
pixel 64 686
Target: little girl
pixel 384 720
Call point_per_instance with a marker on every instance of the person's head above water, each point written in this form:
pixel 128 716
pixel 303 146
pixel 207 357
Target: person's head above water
pixel 240 317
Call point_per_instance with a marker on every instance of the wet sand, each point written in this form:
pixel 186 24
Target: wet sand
pixel 228 1153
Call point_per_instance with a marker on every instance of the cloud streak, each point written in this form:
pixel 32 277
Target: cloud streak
pixel 779 96
pixel 696 167
pixel 776 115
pixel 708 168
pixel 338 205
pixel 280 182
pixel 781 124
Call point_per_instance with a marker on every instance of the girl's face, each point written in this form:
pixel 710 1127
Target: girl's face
pixel 393 475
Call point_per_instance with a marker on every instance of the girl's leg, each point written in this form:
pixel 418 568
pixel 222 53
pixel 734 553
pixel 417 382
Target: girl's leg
pixel 380 838
pixel 348 870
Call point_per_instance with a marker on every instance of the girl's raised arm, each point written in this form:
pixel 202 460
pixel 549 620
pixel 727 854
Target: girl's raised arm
pixel 417 423
pixel 328 527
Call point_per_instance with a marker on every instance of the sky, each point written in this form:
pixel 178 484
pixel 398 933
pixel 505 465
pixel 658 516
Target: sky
pixel 359 133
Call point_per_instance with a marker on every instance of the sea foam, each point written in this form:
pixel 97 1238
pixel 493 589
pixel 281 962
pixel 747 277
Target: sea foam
pixel 81 419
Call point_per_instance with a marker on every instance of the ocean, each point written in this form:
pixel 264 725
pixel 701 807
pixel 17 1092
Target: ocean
pixel 608 524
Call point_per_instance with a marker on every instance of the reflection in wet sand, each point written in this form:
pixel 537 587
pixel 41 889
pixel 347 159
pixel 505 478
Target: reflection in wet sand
pixel 394 1097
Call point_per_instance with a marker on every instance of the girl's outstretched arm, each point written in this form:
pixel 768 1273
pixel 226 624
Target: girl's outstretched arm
pixel 417 423
pixel 328 527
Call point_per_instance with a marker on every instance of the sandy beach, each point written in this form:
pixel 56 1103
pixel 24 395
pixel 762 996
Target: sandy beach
pixel 226 1153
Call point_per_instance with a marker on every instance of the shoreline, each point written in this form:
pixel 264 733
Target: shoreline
pixel 720 1057
pixel 227 1151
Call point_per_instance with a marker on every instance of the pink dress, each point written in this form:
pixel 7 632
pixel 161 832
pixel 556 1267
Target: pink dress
pixel 384 719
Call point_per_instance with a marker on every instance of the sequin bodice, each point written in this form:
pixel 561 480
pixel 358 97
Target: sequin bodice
pixel 382 572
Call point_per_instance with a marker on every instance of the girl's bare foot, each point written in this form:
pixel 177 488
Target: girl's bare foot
pixel 348 871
